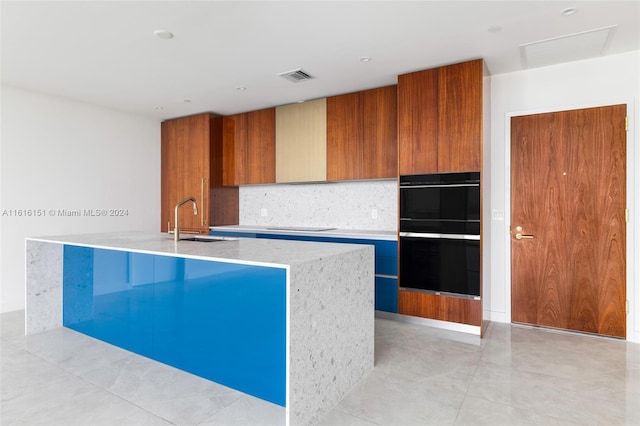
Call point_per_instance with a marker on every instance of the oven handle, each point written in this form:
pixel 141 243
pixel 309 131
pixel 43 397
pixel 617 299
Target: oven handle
pixel 453 185
pixel 444 236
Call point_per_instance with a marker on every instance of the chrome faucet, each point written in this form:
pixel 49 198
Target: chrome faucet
pixel 176 230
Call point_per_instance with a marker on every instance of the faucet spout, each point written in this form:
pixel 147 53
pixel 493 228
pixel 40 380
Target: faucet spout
pixel 176 231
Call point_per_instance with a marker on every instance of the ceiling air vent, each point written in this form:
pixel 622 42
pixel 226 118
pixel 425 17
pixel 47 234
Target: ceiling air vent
pixel 295 75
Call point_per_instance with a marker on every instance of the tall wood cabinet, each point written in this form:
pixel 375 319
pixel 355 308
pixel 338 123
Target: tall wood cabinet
pixel 443 114
pixel 249 148
pixel 440 118
pixel 191 165
pixel 362 135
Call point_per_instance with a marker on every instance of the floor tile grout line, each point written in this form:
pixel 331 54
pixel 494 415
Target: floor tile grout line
pixel 93 385
pixel 106 390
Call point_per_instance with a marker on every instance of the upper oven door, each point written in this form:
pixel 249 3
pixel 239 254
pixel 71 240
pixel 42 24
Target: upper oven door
pixel 435 205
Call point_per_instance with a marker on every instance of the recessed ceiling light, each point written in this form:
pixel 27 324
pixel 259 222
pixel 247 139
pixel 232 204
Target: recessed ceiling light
pixel 494 29
pixel 569 11
pixel 241 88
pixel 365 59
pixel 163 34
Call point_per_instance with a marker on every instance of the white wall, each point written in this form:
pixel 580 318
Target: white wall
pixel 597 82
pixel 58 154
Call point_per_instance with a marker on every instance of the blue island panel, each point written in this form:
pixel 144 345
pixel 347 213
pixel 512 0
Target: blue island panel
pixel 386 261
pixel 222 321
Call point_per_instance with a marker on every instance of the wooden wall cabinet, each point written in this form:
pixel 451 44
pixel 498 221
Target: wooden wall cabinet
pixel 301 147
pixel 440 116
pixel 248 148
pixel 191 165
pixel 362 135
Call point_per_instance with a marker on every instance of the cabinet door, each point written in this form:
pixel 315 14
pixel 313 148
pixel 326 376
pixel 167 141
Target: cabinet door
pixel 185 171
pixel 260 152
pixel 362 135
pixel 418 122
pixel 379 133
pixel 344 137
pixel 249 148
pixel 234 137
pixel 460 116
pixel 301 142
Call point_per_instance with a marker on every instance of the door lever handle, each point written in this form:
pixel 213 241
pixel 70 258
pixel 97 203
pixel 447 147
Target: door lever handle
pixel 519 236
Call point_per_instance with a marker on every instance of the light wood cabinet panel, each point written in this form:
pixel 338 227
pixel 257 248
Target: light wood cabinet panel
pixel 440 116
pixel 191 165
pixel 362 135
pixel 301 134
pixel 249 148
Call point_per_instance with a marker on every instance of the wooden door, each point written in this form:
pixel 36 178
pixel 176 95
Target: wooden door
pixel 185 171
pixel 195 179
pixel 568 191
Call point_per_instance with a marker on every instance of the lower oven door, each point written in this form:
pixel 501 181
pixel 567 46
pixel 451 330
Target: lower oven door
pixel 440 263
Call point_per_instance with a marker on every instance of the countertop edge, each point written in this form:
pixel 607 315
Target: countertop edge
pixel 160 253
pixel 334 233
pixel 243 251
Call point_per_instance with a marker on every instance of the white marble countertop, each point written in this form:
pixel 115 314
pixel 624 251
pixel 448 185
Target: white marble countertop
pixel 331 233
pixel 252 251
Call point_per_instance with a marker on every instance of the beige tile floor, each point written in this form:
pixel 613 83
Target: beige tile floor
pixel 514 376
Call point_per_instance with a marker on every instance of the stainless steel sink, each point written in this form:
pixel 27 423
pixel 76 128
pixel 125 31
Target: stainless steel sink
pixel 208 239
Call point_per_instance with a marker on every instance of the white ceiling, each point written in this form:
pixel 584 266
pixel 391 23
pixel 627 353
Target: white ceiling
pixel 105 52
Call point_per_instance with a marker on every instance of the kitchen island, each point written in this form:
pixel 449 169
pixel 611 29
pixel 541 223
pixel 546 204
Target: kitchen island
pixel 287 321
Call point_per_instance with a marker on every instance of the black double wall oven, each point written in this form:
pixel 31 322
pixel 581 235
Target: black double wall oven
pixel 440 233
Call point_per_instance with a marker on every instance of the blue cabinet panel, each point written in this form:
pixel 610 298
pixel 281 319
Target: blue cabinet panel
pixel 387 294
pixel 386 251
pixel 224 322
pixel 386 260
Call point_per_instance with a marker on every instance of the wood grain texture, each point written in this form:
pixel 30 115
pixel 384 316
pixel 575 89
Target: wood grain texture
pixel 460 109
pixel 191 165
pixel 167 173
pixel 362 135
pixel 260 152
pixel 185 163
pixel 301 142
pixel 233 144
pixel 345 154
pixel 569 190
pixel 418 122
pixel 439 307
pixel 223 201
pixel 249 148
pixel 380 133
